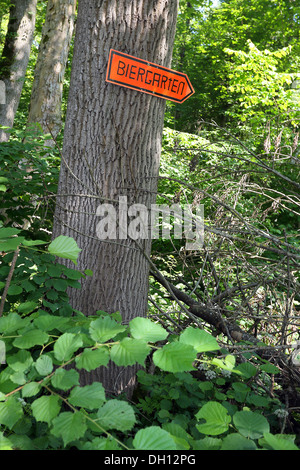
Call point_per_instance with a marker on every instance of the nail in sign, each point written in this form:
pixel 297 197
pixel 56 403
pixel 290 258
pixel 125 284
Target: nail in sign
pixel 138 74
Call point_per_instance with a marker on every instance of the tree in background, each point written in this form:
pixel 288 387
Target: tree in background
pixel 14 59
pixel 205 30
pixel 46 94
pixel 112 145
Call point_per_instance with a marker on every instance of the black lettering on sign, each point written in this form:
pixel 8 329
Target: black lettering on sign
pixel 121 68
pixel 132 72
pixel 148 72
pixel 140 74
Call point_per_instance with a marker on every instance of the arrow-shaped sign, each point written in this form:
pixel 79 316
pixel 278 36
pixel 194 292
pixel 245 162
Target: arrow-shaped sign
pixel 138 74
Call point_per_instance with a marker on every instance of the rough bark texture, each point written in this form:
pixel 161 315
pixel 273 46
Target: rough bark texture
pixel 46 95
pixel 112 148
pixel 14 59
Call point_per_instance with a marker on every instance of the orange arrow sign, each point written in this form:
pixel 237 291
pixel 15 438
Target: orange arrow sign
pixel 138 74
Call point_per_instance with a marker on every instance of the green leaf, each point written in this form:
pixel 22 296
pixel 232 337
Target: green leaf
pixel 66 345
pixel 153 438
pixel 33 242
pixel 116 414
pixel 31 389
pixel 88 272
pixel 64 247
pixel 91 359
pixel 8 232
pixel 208 443
pixel 31 338
pixel 216 417
pixel 27 307
pixel 10 412
pixel 237 442
pixel 46 408
pixel 147 330
pixel 11 244
pixel 269 368
pixel 5 443
pixel 50 322
pixel 103 329
pixel 129 351
pixel 90 397
pixel 247 369
pixel 227 364
pixel 44 365
pixel 20 361
pixel 175 357
pixel 69 426
pixel 278 442
pixel 18 378
pixel 65 379
pixel 199 339
pixel 251 425
pixel 13 289
pixel 180 436
pixel 60 285
pixel 11 322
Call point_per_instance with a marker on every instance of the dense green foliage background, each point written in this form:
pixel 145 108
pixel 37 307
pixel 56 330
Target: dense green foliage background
pixel 233 147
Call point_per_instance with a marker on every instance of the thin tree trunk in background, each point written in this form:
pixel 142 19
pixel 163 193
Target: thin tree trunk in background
pixel 15 57
pixel 112 146
pixel 46 95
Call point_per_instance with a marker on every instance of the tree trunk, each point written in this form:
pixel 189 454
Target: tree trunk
pixel 14 60
pixel 46 95
pixel 112 146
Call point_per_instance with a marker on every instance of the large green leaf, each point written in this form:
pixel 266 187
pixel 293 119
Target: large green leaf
pixel 237 442
pixel 10 412
pixel 44 365
pixel 175 357
pixel 27 307
pixel 20 361
pixel 65 379
pixel 14 289
pixel 64 247
pixel 90 396
pixel 147 330
pixel 153 438
pixel 278 442
pixel 31 338
pixel 116 414
pixel 46 408
pixel 216 417
pixel 50 322
pixel 8 232
pixel 66 345
pixel 90 359
pixel 199 339
pixel 105 328
pixel 251 425
pixel 129 351
pixel 10 244
pixel 69 426
pixel 31 389
pixel 208 443
pixel 12 322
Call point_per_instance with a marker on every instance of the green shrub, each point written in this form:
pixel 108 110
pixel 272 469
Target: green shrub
pixel 43 406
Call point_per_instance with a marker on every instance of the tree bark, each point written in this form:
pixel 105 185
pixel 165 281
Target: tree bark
pixel 46 95
pixel 14 59
pixel 112 146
